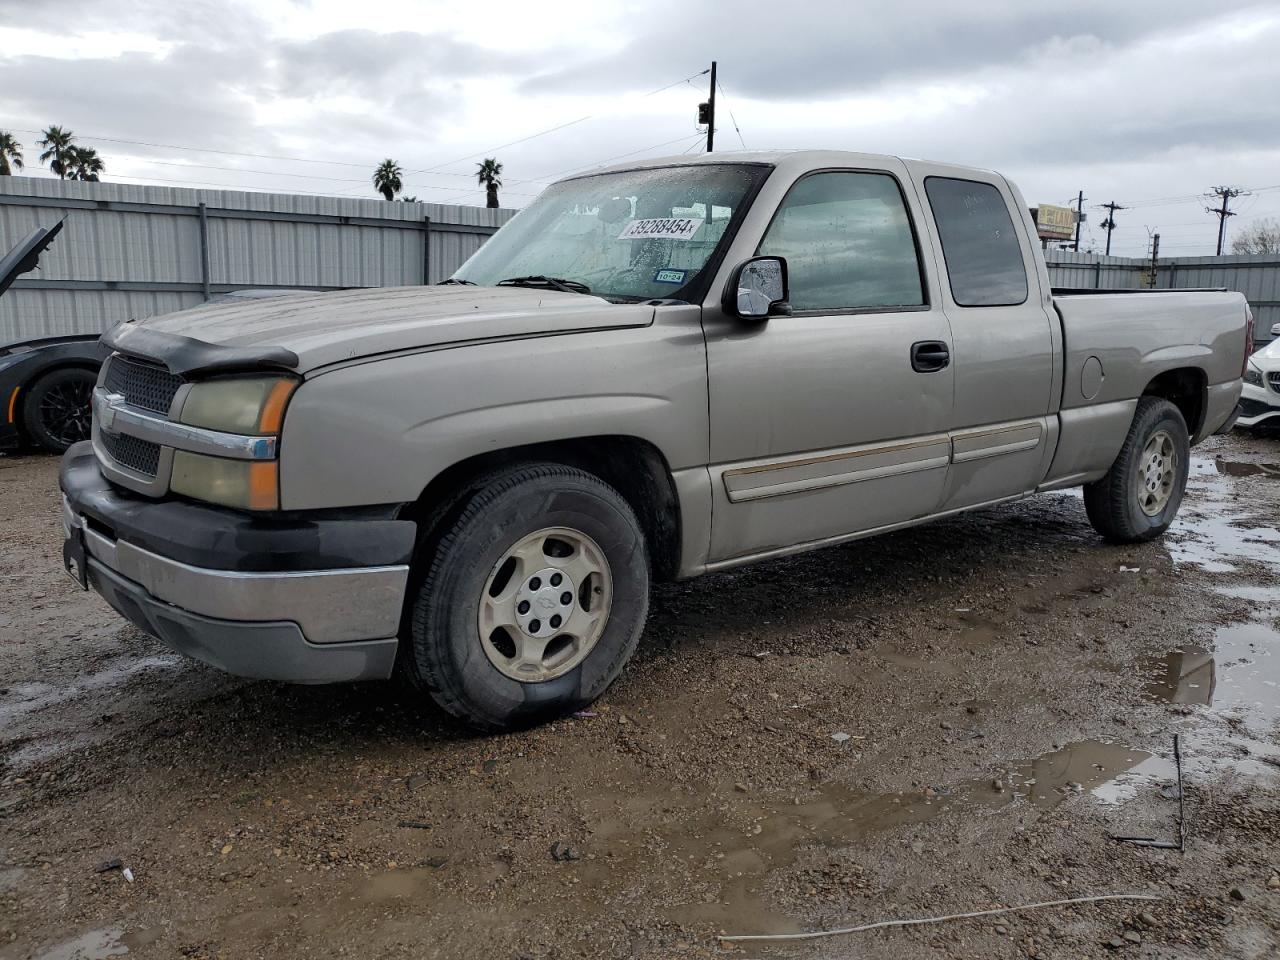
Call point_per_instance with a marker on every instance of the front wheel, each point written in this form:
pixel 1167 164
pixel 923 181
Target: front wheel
pixel 534 597
pixel 57 411
pixel 1139 496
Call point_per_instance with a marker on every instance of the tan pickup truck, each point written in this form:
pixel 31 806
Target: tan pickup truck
pixel 654 371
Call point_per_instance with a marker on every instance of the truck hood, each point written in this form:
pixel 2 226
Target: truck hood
pixel 304 332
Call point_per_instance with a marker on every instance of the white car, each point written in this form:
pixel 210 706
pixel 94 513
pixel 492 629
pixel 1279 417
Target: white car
pixel 1260 399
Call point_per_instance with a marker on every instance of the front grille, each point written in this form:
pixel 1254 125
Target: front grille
pixel 141 456
pixel 141 384
pixel 1273 378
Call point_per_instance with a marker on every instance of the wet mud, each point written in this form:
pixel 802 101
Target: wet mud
pixel 937 721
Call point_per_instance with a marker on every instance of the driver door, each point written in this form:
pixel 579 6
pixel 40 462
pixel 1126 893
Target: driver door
pixel 828 423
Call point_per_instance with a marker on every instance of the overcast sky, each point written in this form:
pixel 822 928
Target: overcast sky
pixel 1131 101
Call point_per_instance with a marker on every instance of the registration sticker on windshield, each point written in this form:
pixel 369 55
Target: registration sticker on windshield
pixel 669 276
pixel 667 228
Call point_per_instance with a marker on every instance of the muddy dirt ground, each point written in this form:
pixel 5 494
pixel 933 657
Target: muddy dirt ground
pixel 949 719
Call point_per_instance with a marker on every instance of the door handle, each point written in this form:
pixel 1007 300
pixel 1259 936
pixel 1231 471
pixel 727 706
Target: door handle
pixel 929 356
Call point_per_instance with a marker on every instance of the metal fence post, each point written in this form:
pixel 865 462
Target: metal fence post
pixel 204 251
pixel 426 250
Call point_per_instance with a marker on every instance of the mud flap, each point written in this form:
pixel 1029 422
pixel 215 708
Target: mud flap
pixel 73 557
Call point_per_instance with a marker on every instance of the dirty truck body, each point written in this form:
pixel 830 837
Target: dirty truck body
pixel 474 483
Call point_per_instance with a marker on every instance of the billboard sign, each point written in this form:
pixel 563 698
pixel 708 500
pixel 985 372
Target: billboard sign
pixel 1055 223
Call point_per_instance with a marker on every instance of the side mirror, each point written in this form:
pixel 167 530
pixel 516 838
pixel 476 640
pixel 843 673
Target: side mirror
pixel 1275 329
pixel 758 289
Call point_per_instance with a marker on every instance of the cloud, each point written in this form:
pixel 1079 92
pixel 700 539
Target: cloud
pixel 1127 99
pixel 829 48
pixel 381 65
pixel 182 97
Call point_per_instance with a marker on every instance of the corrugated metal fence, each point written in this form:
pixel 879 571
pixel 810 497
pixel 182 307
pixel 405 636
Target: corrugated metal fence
pixel 135 251
pixel 1257 277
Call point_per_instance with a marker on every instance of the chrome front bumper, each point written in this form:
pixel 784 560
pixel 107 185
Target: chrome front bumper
pixel 317 626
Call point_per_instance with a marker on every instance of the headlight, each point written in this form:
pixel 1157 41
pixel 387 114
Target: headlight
pixel 1253 375
pixel 247 405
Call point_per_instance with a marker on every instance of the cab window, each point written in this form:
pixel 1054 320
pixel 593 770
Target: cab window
pixel 848 243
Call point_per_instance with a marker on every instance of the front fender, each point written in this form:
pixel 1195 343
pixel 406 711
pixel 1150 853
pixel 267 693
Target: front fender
pixel 379 432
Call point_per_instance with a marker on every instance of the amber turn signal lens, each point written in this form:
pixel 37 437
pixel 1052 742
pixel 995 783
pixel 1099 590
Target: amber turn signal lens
pixel 264 485
pixel 272 416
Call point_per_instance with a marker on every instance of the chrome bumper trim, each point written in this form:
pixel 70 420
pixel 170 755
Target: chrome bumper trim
pixel 115 416
pixel 329 606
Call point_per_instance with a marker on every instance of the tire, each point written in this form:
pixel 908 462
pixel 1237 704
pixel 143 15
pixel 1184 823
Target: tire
pixel 522 520
pixel 57 409
pixel 1139 496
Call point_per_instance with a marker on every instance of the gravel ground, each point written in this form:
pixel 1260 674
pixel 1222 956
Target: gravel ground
pixel 949 719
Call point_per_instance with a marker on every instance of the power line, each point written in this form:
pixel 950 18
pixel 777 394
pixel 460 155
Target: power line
pixel 622 156
pixel 732 118
pixel 1190 198
pixel 220 185
pixel 234 153
pixel 557 127
pixel 300 176
pixel 595 163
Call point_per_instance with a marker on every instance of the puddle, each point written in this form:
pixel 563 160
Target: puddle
pixel 1256 594
pixel 94 945
pixel 24 698
pixel 740 843
pixel 1240 676
pixel 1212 531
pixel 1232 468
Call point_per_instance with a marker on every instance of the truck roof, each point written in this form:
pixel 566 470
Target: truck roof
pixel 805 159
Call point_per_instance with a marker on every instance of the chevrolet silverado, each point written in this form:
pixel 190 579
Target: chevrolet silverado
pixel 654 371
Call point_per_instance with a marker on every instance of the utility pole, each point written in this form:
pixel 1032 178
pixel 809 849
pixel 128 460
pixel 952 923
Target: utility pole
pixel 1155 255
pixel 711 111
pixel 1079 219
pixel 1109 224
pixel 1227 194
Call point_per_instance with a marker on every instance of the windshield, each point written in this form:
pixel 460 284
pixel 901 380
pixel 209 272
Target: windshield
pixel 640 234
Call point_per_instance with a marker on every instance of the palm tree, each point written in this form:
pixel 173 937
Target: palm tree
pixel 386 179
pixel 489 176
pixel 57 143
pixel 83 163
pixel 10 154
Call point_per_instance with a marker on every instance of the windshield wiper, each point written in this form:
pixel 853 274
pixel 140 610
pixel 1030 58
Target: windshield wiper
pixel 442 283
pixel 556 283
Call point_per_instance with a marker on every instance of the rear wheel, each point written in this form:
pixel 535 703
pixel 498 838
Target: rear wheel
pixel 534 596
pixel 57 410
pixel 1139 497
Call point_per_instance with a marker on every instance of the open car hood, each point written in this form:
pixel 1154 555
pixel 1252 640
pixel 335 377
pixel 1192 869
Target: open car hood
pixel 26 255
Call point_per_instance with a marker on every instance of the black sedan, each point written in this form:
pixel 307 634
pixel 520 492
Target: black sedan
pixel 45 388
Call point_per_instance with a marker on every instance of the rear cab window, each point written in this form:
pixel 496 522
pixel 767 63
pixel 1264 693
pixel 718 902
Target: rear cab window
pixel 979 244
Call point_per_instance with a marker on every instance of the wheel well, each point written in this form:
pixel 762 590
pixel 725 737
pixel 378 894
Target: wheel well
pixel 633 467
pixel 1186 388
